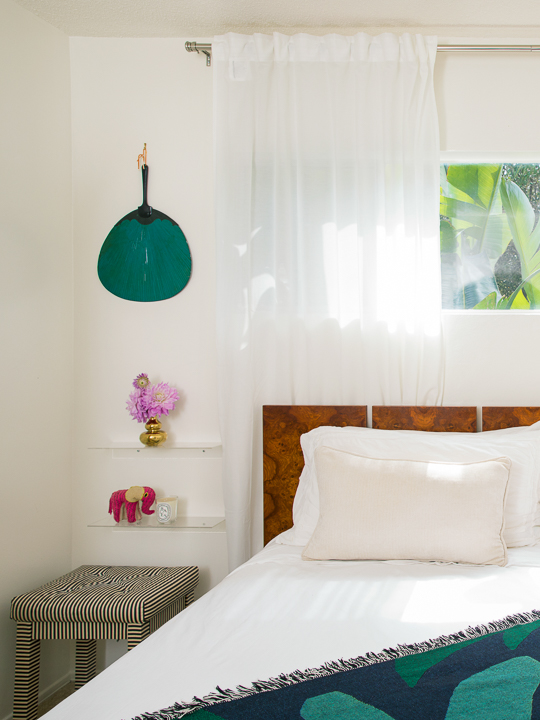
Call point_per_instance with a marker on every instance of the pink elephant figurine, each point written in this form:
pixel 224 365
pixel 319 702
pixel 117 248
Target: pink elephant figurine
pixel 126 502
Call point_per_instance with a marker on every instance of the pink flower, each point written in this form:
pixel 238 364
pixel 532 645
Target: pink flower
pixel 141 381
pixel 138 406
pixel 160 399
pixel 147 400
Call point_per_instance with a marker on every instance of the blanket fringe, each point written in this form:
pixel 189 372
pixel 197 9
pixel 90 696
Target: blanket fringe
pixel 180 710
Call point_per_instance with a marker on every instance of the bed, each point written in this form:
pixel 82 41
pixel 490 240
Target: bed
pixel 268 640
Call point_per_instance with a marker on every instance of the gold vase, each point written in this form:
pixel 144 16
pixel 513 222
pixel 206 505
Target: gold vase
pixel 153 435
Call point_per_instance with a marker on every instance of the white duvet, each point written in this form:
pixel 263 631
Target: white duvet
pixel 278 613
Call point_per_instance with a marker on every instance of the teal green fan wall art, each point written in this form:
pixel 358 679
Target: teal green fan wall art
pixel 145 257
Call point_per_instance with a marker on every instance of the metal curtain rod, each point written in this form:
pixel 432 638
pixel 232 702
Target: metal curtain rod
pixel 206 49
pixel 488 48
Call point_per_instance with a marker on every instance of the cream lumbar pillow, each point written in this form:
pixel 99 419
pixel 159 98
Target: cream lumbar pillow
pixel 372 509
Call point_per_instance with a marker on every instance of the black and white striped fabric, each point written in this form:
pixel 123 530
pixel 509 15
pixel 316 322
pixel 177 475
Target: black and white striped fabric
pixel 102 593
pixel 90 603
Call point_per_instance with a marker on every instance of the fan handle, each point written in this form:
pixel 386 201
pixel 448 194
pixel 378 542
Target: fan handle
pixel 144 210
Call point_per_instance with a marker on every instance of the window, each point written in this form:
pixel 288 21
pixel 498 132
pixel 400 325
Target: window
pixel 490 236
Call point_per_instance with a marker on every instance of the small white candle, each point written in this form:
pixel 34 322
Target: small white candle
pixel 166 509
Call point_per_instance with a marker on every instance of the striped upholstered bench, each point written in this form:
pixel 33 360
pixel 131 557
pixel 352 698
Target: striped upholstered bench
pixel 92 603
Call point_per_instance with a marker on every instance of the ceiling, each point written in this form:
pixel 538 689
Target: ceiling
pixel 205 18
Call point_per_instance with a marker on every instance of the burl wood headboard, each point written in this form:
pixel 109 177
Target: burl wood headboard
pixel 283 425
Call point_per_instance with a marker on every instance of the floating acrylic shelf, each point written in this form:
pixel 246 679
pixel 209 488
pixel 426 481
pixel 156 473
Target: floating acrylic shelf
pixel 186 524
pixel 204 449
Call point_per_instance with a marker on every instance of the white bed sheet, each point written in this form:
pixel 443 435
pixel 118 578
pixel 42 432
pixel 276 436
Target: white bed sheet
pixel 277 613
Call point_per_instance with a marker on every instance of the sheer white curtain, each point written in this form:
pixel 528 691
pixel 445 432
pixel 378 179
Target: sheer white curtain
pixel 327 167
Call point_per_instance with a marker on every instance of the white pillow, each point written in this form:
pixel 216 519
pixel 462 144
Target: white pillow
pixel 523 449
pixel 535 427
pixel 373 509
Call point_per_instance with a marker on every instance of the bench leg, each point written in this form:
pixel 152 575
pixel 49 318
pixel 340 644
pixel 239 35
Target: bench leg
pixel 25 699
pixel 85 662
pixel 137 633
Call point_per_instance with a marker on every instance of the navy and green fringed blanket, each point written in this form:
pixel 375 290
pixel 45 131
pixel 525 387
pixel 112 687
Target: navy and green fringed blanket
pixel 484 673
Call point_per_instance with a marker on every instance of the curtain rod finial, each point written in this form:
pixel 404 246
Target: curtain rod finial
pixel 205 48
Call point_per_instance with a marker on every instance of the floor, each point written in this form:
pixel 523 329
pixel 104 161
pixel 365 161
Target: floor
pixel 55 698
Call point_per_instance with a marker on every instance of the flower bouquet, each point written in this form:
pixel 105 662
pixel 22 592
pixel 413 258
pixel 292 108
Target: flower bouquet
pixel 147 403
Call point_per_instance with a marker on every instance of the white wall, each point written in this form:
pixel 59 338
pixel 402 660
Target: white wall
pixel 125 93
pixel 37 309
pixel 488 102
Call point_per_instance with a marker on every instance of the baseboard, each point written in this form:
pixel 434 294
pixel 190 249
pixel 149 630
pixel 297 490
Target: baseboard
pixel 48 691
pixel 56 685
